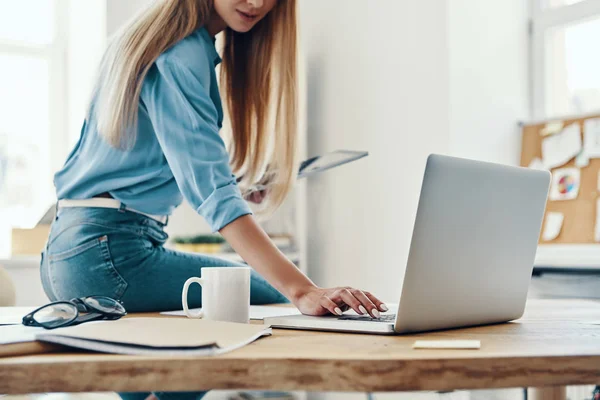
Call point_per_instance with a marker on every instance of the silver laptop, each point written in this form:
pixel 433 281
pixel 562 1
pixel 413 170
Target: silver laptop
pixel 472 251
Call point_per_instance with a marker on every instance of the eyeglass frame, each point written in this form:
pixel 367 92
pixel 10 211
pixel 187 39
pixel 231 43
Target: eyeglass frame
pixel 93 314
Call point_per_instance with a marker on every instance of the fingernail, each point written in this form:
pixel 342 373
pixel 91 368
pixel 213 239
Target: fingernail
pixel 376 313
pixel 338 311
pixel 383 307
pixel 362 310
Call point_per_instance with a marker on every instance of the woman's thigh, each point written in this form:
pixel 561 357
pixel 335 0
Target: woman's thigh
pixel 132 267
pixel 155 282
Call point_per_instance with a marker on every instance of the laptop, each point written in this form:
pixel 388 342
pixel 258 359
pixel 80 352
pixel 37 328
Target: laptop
pixel 471 254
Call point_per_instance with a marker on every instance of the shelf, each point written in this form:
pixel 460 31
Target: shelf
pixel 20 262
pixel 294 256
pixel 568 256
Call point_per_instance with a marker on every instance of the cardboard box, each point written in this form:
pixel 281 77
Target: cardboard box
pixel 29 242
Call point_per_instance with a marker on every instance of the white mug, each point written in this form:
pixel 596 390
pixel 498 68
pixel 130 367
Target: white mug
pixel 225 294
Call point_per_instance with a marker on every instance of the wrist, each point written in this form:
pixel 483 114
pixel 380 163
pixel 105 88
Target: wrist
pixel 296 292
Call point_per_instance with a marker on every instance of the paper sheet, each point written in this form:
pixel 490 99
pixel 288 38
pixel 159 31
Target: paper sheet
pixel 256 312
pixel 591 137
pixel 537 163
pixel 13 315
pixel 565 184
pixel 560 148
pixel 18 334
pixel 447 344
pixel 10 320
pixel 553 226
pixel 552 127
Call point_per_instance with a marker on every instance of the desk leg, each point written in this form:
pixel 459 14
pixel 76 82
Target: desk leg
pixel 547 393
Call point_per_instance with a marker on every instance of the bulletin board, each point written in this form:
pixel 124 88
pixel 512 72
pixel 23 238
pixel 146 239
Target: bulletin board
pixel 579 214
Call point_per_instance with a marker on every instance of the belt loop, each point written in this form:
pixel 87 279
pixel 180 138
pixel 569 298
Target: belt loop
pixel 122 207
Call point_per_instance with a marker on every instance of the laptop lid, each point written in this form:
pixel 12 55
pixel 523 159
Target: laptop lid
pixel 473 246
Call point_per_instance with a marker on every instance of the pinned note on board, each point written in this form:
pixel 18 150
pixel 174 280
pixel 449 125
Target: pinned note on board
pixel 553 226
pixel 591 137
pixel 597 230
pixel 552 127
pixel 559 149
pixel 582 160
pixel 565 184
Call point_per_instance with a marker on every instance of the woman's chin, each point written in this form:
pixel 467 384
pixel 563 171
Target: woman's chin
pixel 241 26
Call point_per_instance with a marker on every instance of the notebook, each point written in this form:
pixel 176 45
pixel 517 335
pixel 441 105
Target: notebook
pixel 156 336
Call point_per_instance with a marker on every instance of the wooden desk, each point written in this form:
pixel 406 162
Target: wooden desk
pixel 552 345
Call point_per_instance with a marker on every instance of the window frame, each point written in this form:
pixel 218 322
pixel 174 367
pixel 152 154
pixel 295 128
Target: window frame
pixel 542 20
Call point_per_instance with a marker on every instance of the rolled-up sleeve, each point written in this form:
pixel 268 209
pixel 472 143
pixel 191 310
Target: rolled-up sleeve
pixel 185 120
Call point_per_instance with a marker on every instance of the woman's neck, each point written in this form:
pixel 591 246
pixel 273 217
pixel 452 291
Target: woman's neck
pixel 215 24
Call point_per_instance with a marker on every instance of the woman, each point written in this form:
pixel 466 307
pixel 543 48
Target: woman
pixel 151 138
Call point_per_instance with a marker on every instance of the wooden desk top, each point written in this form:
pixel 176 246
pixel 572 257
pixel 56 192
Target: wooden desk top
pixel 555 343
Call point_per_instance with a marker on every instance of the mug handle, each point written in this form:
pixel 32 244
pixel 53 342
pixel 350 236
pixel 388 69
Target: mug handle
pixel 184 297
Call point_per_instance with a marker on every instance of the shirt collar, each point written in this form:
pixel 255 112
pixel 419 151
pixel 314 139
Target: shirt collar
pixel 212 49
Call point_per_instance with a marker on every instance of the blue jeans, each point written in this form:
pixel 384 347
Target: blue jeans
pixel 120 254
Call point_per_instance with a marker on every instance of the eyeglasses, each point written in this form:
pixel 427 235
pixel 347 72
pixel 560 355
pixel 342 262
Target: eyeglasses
pixel 66 313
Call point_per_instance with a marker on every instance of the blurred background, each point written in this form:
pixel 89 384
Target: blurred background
pixel 400 79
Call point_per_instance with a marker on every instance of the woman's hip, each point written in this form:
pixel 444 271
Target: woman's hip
pixel 88 250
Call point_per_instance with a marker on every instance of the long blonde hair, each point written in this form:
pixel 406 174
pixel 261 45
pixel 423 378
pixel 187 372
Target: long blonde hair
pixel 258 80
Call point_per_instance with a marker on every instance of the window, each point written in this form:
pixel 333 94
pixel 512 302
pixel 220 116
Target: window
pixel 565 58
pixel 32 106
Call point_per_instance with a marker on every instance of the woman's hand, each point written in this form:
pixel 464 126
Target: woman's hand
pixel 257 196
pixel 318 301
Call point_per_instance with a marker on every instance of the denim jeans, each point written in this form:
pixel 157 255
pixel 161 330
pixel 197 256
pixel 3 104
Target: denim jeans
pixel 120 254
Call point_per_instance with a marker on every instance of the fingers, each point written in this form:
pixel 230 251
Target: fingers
pixel 345 296
pixel 371 308
pixel 328 304
pixel 358 302
pixel 337 300
pixel 361 302
pixel 380 304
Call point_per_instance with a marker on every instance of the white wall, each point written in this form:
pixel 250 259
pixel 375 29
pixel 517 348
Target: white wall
pixel 378 81
pixel 489 85
pixel 402 79
pixel 118 12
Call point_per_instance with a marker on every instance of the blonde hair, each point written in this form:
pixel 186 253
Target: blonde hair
pixel 258 80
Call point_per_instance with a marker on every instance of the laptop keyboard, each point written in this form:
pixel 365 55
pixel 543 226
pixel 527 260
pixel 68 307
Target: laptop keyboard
pixel 366 318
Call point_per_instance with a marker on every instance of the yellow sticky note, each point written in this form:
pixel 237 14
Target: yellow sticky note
pixel 552 127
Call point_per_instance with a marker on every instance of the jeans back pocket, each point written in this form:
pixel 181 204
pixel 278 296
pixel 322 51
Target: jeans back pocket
pixel 84 270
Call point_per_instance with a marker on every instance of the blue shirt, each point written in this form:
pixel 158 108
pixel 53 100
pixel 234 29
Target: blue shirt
pixel 178 151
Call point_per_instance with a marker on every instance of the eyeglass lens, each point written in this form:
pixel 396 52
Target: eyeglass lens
pixel 55 315
pixel 105 304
